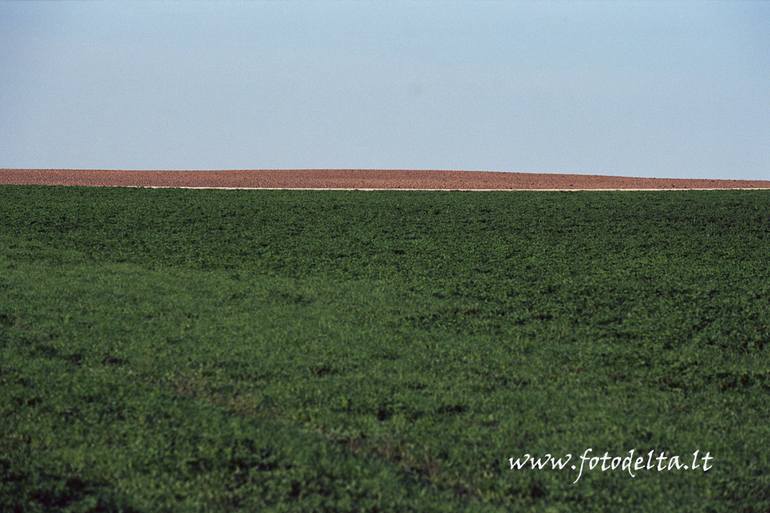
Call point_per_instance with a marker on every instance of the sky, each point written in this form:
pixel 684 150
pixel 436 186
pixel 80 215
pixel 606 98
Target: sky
pixel 637 89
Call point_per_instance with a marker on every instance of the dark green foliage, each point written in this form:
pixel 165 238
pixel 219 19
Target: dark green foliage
pixel 170 350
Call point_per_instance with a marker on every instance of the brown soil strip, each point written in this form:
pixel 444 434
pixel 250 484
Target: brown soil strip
pixel 358 179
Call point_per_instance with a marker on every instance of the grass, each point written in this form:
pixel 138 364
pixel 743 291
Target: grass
pixel 171 350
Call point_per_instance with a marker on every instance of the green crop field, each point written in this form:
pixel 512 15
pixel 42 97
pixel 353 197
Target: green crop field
pixel 177 350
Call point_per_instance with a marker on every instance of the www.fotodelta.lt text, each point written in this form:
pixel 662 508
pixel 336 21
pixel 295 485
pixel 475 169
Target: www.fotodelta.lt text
pixel 632 462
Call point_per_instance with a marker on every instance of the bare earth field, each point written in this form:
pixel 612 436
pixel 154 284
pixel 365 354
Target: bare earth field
pixel 359 179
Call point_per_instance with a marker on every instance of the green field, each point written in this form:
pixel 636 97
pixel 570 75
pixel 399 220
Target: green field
pixel 172 350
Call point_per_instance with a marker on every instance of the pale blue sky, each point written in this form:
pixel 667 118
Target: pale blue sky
pixel 645 89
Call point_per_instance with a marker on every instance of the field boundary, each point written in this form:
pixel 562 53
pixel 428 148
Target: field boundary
pixel 413 189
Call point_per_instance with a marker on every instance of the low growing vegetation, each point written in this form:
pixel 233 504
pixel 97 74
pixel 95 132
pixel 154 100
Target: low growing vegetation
pixel 172 350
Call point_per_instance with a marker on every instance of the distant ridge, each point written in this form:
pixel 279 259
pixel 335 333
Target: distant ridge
pixel 358 179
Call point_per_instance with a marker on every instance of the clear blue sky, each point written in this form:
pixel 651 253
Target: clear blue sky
pixel 650 89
